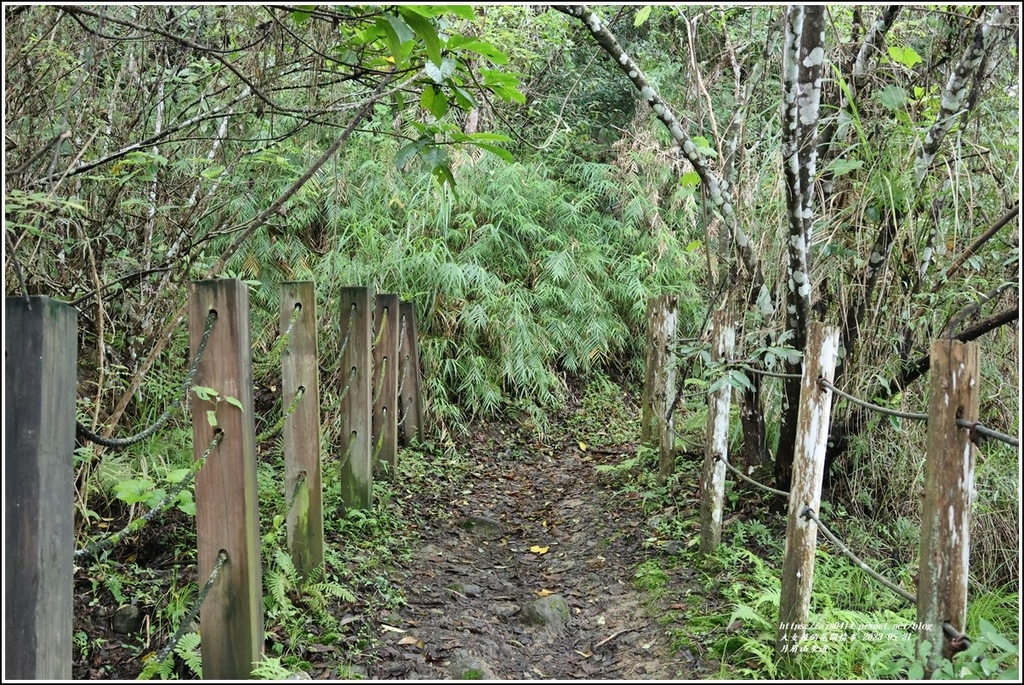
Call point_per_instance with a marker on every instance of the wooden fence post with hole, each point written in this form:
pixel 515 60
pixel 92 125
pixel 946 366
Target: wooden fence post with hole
pixel 385 383
pixel 716 454
pixel 356 402
pixel 40 370
pixel 227 515
pixel 660 381
pixel 300 372
pixel 805 491
pixel 948 493
pixel 410 400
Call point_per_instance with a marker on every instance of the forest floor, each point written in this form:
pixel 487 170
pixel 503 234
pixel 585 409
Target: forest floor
pixel 527 564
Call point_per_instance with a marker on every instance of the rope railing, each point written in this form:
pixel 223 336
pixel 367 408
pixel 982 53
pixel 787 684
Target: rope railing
pixel 405 365
pixel 736 471
pixel 739 363
pixel 947 628
pixel 115 538
pixel 976 428
pixel 273 430
pixel 348 332
pixel 183 628
pixel 381 380
pixel 166 415
pixel 299 482
pixel 279 344
pixel 914 416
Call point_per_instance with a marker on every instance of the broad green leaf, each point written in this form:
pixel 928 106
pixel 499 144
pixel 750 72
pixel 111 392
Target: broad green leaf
pixel 204 393
pixel 177 475
pixel 693 245
pixel 839 167
pixel 491 137
pixel 642 15
pixel 213 171
pixel 480 47
pixel 904 55
pixel 409 151
pixel 464 97
pixel 691 179
pixel 235 402
pixel 425 30
pixel 493 77
pixel 703 146
pixel 893 97
pixel 394 43
pixel 494 149
pixel 439 73
pixel 300 13
pixel 211 418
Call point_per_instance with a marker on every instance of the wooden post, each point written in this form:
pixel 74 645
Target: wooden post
pixel 227 515
pixel 949 490
pixel 385 382
pixel 660 381
pixel 300 372
pixel 354 441
pixel 410 400
pixel 716 454
pixel 808 468
pixel 40 369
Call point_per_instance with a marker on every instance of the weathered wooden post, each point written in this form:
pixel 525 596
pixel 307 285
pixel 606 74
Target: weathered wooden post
pixel 300 373
pixel 385 393
pixel 356 403
pixel 948 493
pixel 716 453
pixel 656 425
pixel 805 491
pixel 227 515
pixel 410 400
pixel 40 372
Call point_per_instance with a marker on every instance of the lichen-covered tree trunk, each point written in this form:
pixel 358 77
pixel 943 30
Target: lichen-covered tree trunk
pixel 804 55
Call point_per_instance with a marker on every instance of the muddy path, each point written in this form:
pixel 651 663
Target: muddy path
pixel 527 572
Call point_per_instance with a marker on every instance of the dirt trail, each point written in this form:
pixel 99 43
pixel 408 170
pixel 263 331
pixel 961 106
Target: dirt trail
pixel 528 524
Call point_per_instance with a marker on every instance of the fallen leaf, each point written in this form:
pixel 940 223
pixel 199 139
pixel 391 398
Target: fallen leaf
pixel 537 549
pixel 544 593
pixel 585 655
pixel 390 629
pixel 583 446
pixel 410 640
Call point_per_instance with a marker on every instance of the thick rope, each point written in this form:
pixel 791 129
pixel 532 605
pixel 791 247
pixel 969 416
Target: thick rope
pixel 163 418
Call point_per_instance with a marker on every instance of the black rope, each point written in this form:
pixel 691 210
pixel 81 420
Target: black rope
pixel 977 429
pixel 222 559
pixel 163 418
pixel 825 383
pixel 736 471
pixel 137 525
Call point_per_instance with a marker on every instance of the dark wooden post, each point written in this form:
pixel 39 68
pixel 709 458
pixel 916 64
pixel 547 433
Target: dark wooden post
pixel 948 492
pixel 805 491
pixel 357 362
pixel 385 382
pixel 660 381
pixel 40 370
pixel 300 372
pixel 227 516
pixel 410 401
pixel 716 453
